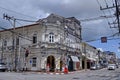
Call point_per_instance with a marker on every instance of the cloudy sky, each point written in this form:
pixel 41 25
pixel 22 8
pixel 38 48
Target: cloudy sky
pixel 81 9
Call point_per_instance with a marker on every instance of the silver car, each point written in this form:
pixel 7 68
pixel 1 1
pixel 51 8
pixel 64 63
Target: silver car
pixel 111 66
pixel 3 67
pixel 93 67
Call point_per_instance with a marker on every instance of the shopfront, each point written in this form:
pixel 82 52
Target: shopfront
pixel 74 63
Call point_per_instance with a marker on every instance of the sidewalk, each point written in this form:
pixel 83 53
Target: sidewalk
pixel 53 73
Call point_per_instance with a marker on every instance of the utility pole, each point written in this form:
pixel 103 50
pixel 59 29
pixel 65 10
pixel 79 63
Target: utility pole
pixel 80 29
pixel 2 52
pixel 117 13
pixel 40 54
pixel 14 45
pixel 14 55
pixel 80 34
pixel 85 58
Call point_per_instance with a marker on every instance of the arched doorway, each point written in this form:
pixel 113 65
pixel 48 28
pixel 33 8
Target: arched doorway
pixel 51 62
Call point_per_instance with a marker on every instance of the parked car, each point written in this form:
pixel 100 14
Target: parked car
pixel 94 67
pixel 111 66
pixel 3 67
pixel 99 66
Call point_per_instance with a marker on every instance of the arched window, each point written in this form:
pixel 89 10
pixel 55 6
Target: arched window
pixel 51 37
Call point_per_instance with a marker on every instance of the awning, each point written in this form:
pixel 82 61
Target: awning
pixel 92 59
pixel 75 59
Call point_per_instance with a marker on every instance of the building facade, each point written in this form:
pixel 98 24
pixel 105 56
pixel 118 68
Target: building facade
pixel 52 42
pixel 89 56
pixel 110 57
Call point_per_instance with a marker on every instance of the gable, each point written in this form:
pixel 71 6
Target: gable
pixel 53 18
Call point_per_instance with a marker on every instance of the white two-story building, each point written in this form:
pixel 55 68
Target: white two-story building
pixel 53 41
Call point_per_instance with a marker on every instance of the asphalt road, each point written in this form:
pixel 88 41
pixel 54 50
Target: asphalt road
pixel 102 74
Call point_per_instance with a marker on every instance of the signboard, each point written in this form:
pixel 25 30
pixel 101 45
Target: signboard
pixel 30 61
pixel 103 39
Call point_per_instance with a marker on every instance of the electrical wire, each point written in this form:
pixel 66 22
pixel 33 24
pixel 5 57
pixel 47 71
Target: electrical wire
pixel 106 19
pixel 109 38
pixel 112 1
pixel 23 28
pixel 11 22
pixel 97 18
pixel 113 20
pixel 16 19
pixel 17 12
pixel 100 39
pixel 98 3
pixel 111 13
pixel 18 34
pixel 106 3
pixel 104 12
pixel 109 10
pixel 25 20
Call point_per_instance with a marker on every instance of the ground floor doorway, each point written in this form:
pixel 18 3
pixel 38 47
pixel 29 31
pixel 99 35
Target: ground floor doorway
pixel 51 63
pixel 61 65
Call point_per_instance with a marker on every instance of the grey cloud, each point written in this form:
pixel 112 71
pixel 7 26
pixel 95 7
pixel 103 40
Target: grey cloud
pixel 67 7
pixel 77 8
pixel 96 30
pixel 81 9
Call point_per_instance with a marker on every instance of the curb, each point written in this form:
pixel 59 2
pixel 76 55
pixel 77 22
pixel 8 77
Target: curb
pixel 51 73
pixel 54 73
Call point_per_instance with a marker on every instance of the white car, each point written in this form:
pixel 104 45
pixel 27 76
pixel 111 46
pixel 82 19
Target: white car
pixel 93 67
pixel 111 66
pixel 3 67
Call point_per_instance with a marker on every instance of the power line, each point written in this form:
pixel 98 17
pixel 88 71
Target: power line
pixel 5 16
pixel 98 3
pixel 102 11
pixel 19 34
pixel 113 2
pixel 106 3
pixel 100 39
pixel 97 18
pixel 110 14
pixel 116 6
pixel 107 39
pixel 17 12
pixel 107 7
pixel 117 15
pixel 25 20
